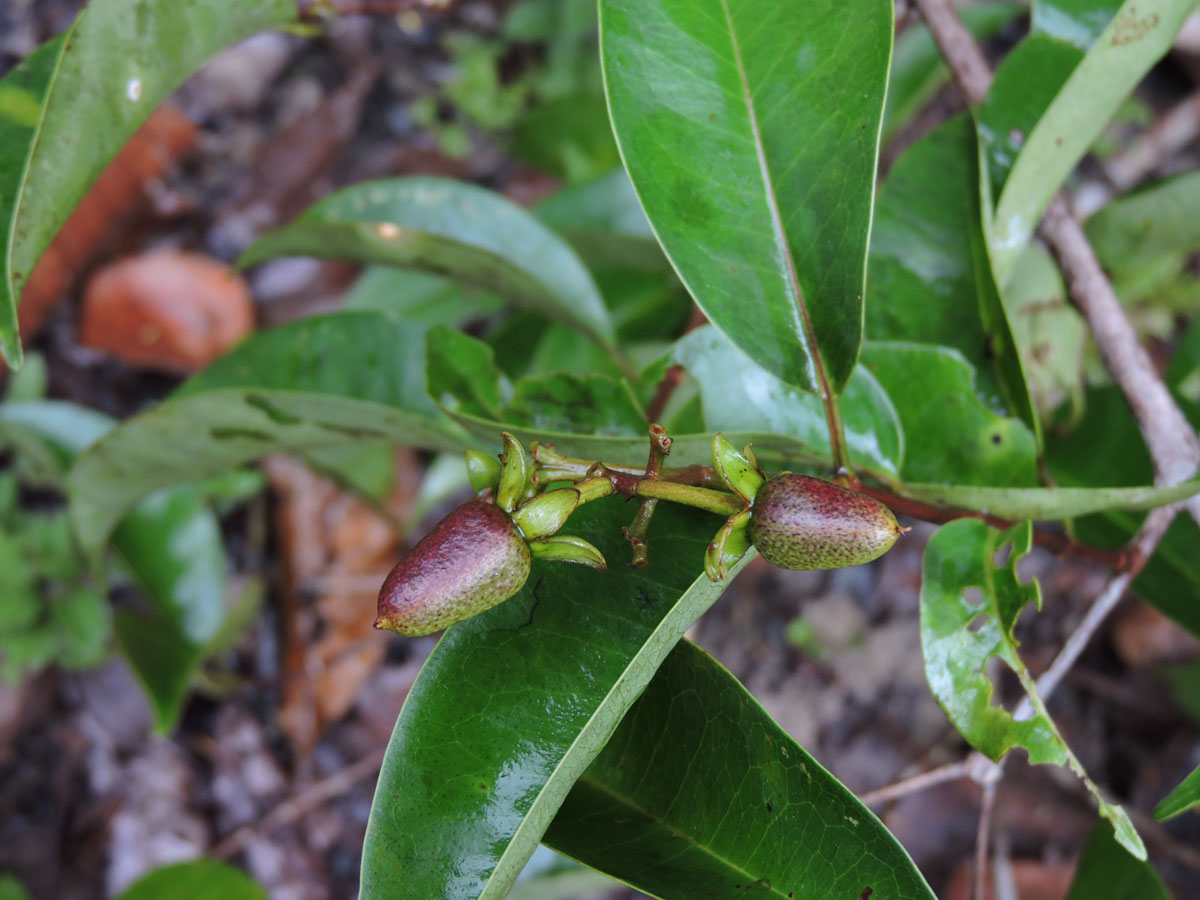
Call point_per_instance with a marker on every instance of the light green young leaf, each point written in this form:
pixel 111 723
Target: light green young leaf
pixel 1053 136
pixel 64 113
pixel 1185 796
pixel 750 129
pixel 514 704
pixel 451 228
pixel 960 633
pixel 700 794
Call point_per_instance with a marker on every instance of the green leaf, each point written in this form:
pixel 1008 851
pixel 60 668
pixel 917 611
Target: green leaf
pixel 740 396
pixel 201 879
pixel 1185 796
pixel 918 71
pixel 326 381
pixel 450 228
pixel 12 889
pixel 513 705
pixel 1106 449
pixel 1105 873
pixel 930 278
pixel 961 633
pixel 1145 226
pixel 592 417
pixel 171 543
pixel 950 435
pixel 1078 22
pixel 568 137
pixel 750 129
pixel 64 113
pixel 418 297
pixel 1050 101
pixel 699 793
pixel 1051 336
pixel 604 222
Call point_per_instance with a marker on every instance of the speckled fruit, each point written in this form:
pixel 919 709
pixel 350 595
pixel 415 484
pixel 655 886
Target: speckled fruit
pixel 798 522
pixel 473 560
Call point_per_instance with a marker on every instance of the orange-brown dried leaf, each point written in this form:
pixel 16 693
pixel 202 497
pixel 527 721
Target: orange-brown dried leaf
pixel 167 309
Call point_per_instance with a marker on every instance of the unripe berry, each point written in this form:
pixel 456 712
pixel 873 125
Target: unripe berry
pixel 474 559
pixel 798 522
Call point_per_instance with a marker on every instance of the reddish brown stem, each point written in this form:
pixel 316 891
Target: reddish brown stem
pixel 662 394
pixel 1058 544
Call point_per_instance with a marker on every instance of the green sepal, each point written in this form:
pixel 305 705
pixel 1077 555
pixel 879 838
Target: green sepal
pixel 568 548
pixel 482 470
pixel 544 514
pixel 514 473
pixel 730 545
pixel 736 469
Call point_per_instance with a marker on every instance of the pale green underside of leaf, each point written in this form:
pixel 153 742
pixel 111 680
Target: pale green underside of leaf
pixel 1137 37
pixel 750 129
pixel 959 635
pixel 123 58
pixel 450 228
pixel 514 704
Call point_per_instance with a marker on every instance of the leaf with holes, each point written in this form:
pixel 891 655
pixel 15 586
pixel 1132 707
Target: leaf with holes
pixel 750 129
pixel 961 633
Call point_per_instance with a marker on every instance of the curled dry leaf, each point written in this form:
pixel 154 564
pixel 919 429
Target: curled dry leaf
pixel 167 309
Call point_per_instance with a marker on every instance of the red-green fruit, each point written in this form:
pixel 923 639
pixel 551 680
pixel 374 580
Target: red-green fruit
pixel 798 522
pixel 473 560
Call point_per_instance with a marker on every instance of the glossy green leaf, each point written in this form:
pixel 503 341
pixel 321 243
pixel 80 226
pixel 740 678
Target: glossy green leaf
pixel 514 704
pixel 1105 872
pixel 740 396
pixel 1050 134
pixel 930 278
pixel 1185 796
pixel 699 793
pixel 1078 22
pixel 446 227
pixel 326 381
pixel 201 879
pixel 1106 449
pixel 171 543
pixel 591 417
pixel 1145 226
pixel 750 129
pixel 65 113
pixel 950 435
pixel 918 71
pixel 961 633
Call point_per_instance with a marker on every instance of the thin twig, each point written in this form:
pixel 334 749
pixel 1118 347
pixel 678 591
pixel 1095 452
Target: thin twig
pixel 987 806
pixel 300 805
pixel 914 785
pixel 1167 136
